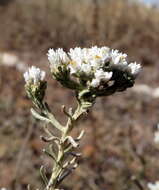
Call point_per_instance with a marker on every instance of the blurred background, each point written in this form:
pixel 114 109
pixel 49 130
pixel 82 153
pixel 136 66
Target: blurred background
pixel 118 143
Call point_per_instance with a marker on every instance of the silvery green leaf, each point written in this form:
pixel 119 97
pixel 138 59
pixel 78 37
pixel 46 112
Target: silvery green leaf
pixel 38 116
pixel 43 175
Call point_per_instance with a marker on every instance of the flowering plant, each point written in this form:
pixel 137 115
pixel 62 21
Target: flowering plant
pixel 97 71
pixel 91 73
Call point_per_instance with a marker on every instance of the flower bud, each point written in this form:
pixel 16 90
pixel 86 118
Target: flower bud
pixel 35 84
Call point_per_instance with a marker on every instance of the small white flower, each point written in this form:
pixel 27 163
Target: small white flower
pixel 34 75
pixel 86 68
pixel 98 56
pixel 95 83
pixel 99 53
pixel 57 58
pixel 100 75
pixel 74 67
pixel 118 60
pixel 134 68
pixel 154 186
pixel 77 56
pixel 105 76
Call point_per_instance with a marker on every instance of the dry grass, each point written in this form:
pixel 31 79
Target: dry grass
pixel 37 25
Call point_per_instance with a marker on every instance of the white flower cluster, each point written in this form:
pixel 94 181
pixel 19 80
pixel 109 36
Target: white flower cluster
pixel 34 75
pixel 100 75
pixel 97 64
pixel 152 186
pixel 134 68
pixel 57 58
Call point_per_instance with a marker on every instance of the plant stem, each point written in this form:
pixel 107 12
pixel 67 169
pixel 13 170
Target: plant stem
pixel 60 166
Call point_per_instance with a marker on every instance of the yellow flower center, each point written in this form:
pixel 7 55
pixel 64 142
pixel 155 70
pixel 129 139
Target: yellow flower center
pixel 97 57
pixel 73 63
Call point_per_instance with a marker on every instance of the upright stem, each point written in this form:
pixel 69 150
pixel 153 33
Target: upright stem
pixel 62 167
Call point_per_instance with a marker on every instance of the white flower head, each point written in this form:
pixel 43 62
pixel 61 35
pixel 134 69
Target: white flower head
pixel 95 83
pixel 154 186
pixel 98 56
pixel 134 68
pixel 100 75
pixel 57 58
pixel 77 54
pixel 118 60
pixel 34 75
pixel 86 68
pixel 78 58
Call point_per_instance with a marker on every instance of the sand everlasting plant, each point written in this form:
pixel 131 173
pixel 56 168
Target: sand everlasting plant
pixel 90 73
